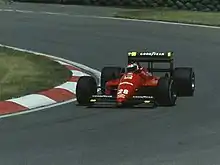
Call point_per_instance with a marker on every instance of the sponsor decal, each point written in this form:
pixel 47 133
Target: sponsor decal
pixel 102 96
pixel 143 97
pixel 132 53
pixel 152 54
pixel 168 54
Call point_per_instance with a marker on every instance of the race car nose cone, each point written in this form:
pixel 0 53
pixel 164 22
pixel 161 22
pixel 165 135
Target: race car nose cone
pixel 120 100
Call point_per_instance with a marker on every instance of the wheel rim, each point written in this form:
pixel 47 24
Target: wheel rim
pixel 193 81
pixel 173 94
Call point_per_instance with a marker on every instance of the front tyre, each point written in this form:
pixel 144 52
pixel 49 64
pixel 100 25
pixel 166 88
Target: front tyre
pixel 165 92
pixel 85 88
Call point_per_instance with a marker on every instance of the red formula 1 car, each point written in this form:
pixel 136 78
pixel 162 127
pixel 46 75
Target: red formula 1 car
pixel 135 85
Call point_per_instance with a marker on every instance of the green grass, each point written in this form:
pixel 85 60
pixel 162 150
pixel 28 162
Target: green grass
pixel 194 17
pixel 3 2
pixel 24 73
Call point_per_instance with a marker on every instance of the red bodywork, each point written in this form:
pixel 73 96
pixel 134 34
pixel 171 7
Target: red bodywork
pixel 128 85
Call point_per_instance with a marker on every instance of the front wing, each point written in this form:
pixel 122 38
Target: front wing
pixel 109 99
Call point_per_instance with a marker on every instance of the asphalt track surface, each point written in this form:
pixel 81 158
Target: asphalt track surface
pixel 188 134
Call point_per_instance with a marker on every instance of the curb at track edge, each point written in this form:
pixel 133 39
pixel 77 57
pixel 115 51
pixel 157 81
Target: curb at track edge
pixel 15 107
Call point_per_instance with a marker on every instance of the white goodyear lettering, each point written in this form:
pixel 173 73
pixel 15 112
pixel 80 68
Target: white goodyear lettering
pixel 152 54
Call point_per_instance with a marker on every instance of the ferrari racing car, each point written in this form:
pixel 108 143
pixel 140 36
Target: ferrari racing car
pixel 135 84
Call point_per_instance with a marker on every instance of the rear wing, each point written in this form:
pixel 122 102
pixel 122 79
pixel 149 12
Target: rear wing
pixel 151 58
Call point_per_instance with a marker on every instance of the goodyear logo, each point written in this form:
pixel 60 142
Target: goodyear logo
pixel 152 54
pixel 133 54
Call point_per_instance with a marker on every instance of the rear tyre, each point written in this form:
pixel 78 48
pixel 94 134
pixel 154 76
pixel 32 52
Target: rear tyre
pixel 85 88
pixel 110 73
pixel 165 92
pixel 184 79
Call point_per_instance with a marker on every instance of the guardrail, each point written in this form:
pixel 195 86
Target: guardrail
pixel 197 5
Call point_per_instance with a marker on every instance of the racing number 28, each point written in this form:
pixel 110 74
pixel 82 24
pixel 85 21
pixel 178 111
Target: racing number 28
pixel 122 91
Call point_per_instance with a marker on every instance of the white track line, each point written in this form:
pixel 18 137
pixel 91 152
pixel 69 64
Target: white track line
pixel 158 22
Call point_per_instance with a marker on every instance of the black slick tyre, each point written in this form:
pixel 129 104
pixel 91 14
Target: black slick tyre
pixel 85 88
pixel 110 73
pixel 184 78
pixel 165 92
